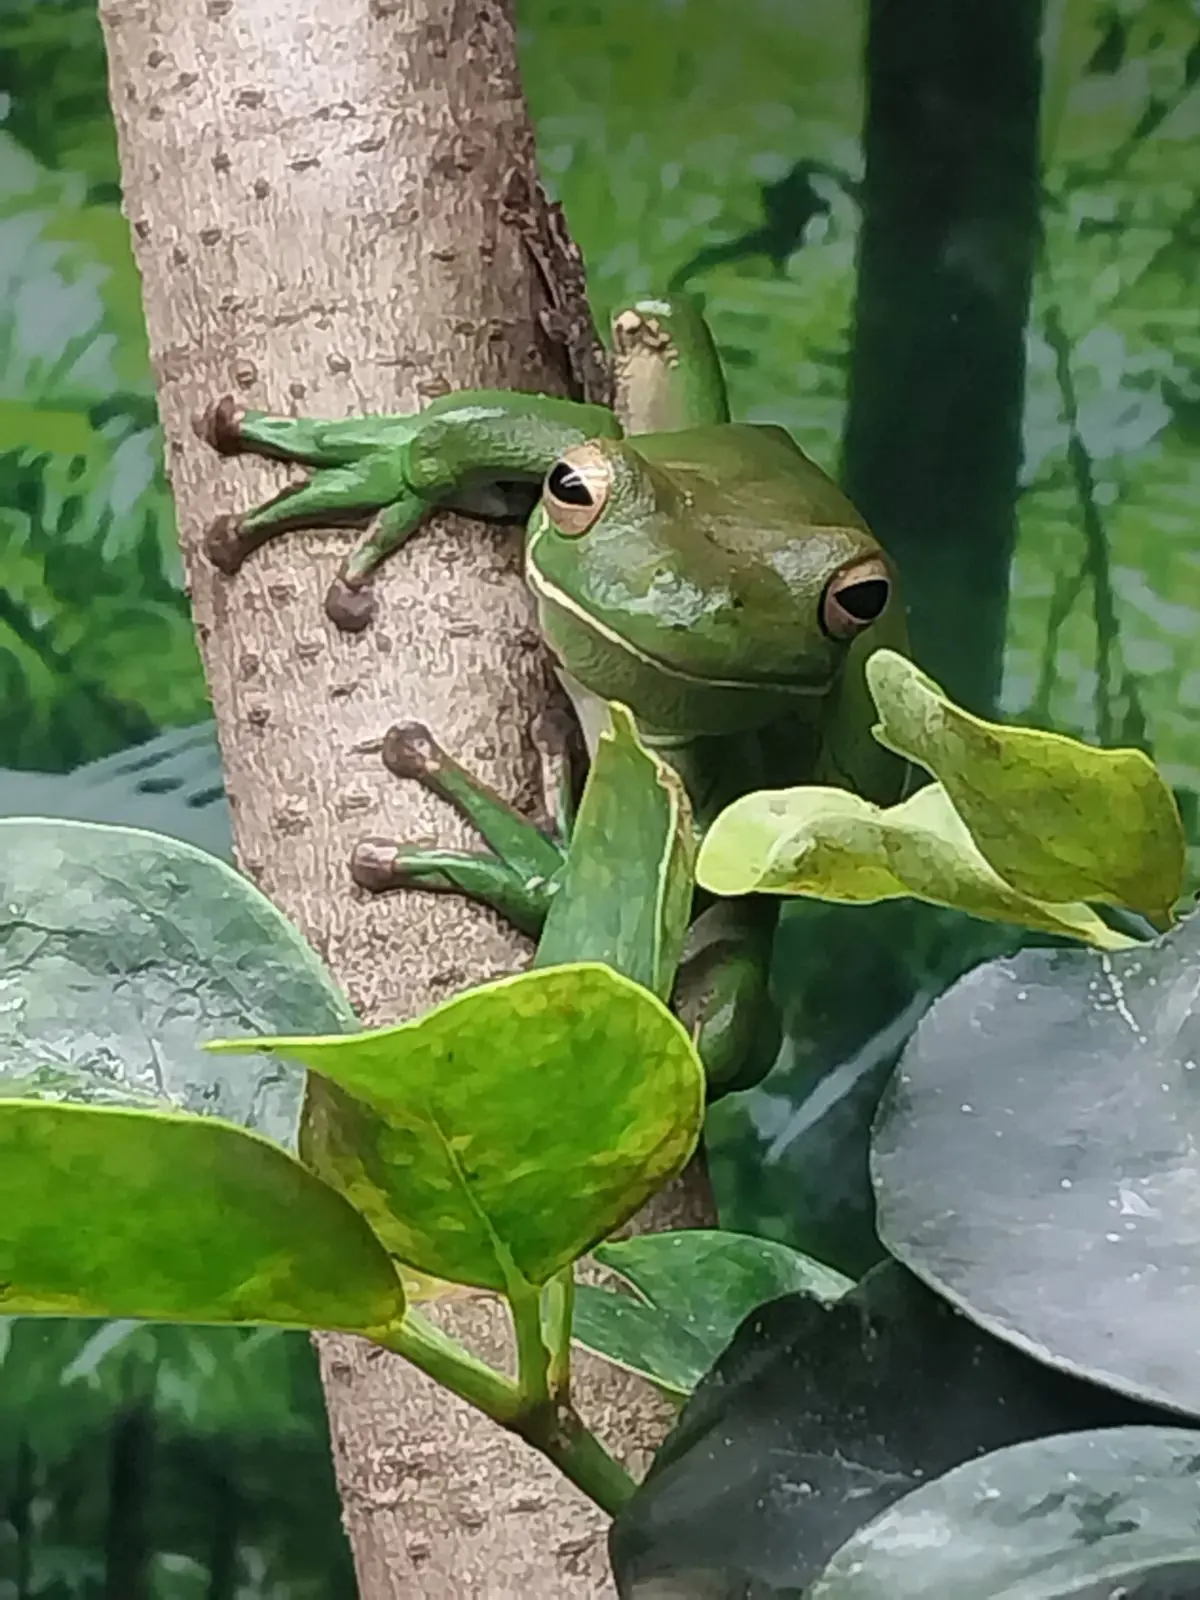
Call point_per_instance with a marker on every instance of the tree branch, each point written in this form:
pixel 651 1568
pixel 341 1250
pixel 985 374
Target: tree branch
pixel 326 222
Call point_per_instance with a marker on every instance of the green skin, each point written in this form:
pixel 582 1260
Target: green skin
pixel 704 573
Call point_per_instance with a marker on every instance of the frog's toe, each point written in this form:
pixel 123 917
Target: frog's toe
pixel 221 426
pixel 375 865
pixel 224 544
pixel 350 607
pixel 411 751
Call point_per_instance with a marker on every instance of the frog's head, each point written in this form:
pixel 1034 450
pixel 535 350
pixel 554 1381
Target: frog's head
pixel 711 579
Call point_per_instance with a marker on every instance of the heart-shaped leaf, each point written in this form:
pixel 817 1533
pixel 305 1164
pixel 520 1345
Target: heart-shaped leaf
pixel 1058 820
pixel 817 1418
pixel 626 893
pixel 1035 1159
pixel 120 951
pixel 834 845
pixel 692 1291
pixel 1079 1517
pixel 168 1217
pixel 498 1137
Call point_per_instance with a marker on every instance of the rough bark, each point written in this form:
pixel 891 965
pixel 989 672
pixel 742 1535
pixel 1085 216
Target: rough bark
pixel 946 254
pixel 334 211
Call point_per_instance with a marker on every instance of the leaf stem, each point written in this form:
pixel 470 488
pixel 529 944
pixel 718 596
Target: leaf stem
pixel 558 1315
pixel 445 1361
pixel 559 1433
pixel 533 1358
pixel 554 1429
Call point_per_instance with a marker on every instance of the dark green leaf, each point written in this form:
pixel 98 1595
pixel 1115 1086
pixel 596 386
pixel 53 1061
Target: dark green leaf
pixel 1086 1516
pixel 508 1130
pixel 122 951
pixel 1035 1159
pixel 118 1213
pixel 819 1417
pixel 692 1290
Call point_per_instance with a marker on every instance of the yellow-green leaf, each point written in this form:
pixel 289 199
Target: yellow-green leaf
pixel 498 1137
pixel 832 845
pixel 163 1216
pixel 1058 820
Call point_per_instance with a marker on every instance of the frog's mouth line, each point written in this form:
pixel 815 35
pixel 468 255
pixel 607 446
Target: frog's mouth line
pixel 548 591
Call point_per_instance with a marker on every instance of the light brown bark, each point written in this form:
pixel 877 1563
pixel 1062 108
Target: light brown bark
pixel 334 212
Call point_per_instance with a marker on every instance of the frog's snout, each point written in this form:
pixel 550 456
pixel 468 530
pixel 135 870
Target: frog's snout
pixel 855 597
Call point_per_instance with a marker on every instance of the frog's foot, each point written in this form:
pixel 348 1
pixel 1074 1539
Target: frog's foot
pixel 518 880
pixel 357 480
pixel 381 865
pixel 411 751
pixel 722 994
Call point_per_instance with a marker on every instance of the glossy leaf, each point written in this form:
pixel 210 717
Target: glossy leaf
pixel 1078 1517
pixel 834 845
pixel 819 1417
pixel 121 951
pixel 626 894
pixel 1057 819
pixel 502 1134
pixel 1035 1159
pixel 691 1291
pixel 164 1217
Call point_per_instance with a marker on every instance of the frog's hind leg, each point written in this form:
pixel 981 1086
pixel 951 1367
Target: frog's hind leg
pixel 722 993
pixel 517 880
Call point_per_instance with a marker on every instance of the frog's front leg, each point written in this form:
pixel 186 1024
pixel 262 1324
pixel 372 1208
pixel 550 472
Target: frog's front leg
pixel 517 877
pixel 478 452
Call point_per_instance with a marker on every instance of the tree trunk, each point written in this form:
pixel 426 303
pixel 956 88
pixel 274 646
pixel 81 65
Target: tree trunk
pixel 335 211
pixel 946 254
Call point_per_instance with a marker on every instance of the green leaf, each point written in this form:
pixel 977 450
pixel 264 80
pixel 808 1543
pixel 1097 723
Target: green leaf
pixel 1112 1512
pixel 819 1417
pixel 693 1289
pixel 497 1138
pixel 166 1217
pixel 626 894
pixel 1034 1159
pixel 120 950
pixel 833 845
pixel 1059 820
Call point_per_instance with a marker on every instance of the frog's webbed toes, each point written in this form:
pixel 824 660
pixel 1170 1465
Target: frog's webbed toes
pixel 220 426
pixel 350 607
pixel 225 545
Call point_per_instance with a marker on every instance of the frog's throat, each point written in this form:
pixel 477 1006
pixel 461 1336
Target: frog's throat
pixel 555 596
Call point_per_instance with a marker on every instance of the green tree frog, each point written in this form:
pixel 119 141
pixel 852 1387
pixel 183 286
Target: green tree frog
pixel 704 573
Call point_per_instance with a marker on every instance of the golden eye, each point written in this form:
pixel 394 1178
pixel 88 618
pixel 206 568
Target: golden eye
pixel 576 490
pixel 855 598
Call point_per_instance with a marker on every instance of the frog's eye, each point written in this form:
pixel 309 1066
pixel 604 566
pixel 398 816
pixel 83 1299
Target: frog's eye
pixel 855 598
pixel 576 490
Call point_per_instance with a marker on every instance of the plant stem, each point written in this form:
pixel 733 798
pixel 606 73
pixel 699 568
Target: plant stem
pixel 559 1310
pixel 554 1430
pixel 559 1434
pixel 533 1359
pixel 456 1369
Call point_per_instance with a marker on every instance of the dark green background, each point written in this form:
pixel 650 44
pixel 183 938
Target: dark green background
pixel 954 249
